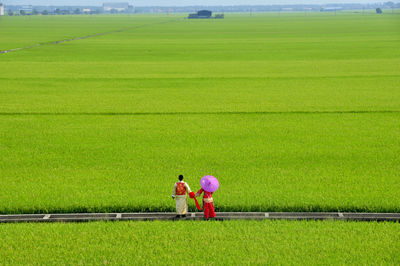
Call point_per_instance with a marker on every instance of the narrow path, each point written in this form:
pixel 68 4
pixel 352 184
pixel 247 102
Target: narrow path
pixel 221 216
pixel 194 113
pixel 83 37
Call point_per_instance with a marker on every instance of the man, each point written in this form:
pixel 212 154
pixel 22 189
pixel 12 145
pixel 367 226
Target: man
pixel 179 192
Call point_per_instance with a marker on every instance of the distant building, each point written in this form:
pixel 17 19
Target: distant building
pixel 118 7
pixel 204 14
pixel 1 9
pixel 86 10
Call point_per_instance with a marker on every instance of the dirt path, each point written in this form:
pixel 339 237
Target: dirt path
pixel 84 37
pixel 221 216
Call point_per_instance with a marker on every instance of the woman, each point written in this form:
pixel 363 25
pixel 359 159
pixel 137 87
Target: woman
pixel 208 206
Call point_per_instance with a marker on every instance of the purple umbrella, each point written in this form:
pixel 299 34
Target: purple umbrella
pixel 209 183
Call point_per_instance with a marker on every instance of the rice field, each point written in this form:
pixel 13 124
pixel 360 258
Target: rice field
pixel 265 162
pixel 291 113
pixel 201 243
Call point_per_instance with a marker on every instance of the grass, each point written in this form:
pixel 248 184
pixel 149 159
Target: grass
pixel 204 243
pixel 290 113
pixel 25 31
pixel 265 162
pixel 199 95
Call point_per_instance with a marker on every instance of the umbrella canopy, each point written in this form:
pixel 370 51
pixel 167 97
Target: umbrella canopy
pixel 209 183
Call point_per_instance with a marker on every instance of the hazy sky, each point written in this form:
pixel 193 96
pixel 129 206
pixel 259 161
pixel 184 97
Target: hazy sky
pixel 182 2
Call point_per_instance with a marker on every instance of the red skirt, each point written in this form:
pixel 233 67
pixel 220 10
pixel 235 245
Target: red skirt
pixel 208 210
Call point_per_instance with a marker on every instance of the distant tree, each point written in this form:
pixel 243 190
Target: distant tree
pixel 57 11
pixel 45 12
pixel 10 13
pixel 113 11
pixel 35 12
pixel 22 12
pixel 77 11
pixel 379 10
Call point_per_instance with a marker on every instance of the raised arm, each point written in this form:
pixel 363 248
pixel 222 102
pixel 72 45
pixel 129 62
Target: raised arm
pixel 199 192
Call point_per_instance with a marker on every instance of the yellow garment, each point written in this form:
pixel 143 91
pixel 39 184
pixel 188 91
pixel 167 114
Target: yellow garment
pixel 181 200
pixel 181 204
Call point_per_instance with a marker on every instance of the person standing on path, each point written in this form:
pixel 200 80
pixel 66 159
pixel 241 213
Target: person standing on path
pixel 181 188
pixel 208 205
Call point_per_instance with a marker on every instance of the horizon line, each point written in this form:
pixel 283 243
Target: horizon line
pixel 205 5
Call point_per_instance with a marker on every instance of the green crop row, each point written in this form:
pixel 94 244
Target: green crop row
pixel 265 162
pixel 293 112
pixel 199 95
pixel 201 243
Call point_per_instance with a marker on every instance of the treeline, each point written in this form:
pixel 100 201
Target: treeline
pixel 56 11
pixel 19 10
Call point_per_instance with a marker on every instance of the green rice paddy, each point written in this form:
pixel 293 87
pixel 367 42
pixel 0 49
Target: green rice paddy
pixel 265 162
pixel 202 243
pixel 291 113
